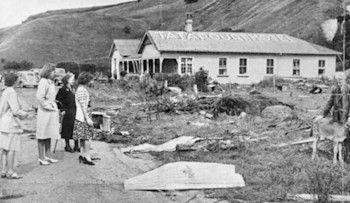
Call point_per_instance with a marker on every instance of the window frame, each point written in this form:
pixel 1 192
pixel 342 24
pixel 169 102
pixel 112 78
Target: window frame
pixel 222 67
pixel 296 67
pixel 321 66
pixel 269 66
pixel 245 66
pixel 187 70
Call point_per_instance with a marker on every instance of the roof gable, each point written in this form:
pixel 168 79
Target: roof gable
pixel 259 43
pixel 126 47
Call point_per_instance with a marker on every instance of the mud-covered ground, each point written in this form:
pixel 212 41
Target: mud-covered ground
pixel 270 173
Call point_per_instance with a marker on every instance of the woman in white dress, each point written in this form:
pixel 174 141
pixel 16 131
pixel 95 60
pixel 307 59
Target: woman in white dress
pixel 10 127
pixel 47 127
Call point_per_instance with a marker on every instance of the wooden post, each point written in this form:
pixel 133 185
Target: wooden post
pixel 344 100
pixel 195 89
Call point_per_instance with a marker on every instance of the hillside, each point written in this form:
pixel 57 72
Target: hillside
pixel 76 34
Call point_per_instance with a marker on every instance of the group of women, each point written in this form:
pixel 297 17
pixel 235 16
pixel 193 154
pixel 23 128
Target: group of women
pixel 69 103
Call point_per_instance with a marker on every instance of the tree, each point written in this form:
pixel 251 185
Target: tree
pixel 190 1
pixel 88 67
pixel 13 65
pixel 72 67
pixel 3 60
pixel 127 29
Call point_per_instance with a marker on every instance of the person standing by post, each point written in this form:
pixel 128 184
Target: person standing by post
pixel 66 103
pixel 10 127
pixel 83 125
pixel 338 108
pixel 47 127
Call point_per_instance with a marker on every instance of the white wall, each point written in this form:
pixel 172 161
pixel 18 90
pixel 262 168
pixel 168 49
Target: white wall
pixel 150 52
pixel 256 66
pixel 308 66
pixel 116 58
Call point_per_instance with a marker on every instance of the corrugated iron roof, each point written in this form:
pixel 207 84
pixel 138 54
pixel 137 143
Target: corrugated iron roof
pixel 126 47
pixel 222 42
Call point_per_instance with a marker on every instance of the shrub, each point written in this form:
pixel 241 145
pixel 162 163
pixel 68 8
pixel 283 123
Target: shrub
pixel 268 81
pixel 13 65
pixel 127 29
pixel 175 80
pixel 88 67
pixel 72 67
pixel 324 180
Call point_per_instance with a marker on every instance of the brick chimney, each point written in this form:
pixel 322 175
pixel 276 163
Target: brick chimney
pixel 189 21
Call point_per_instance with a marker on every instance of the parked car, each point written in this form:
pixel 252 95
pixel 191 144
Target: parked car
pixel 27 78
pixel 59 74
pixel 36 71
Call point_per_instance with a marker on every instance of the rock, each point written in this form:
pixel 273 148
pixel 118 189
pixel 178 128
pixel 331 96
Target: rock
pixel 242 115
pixel 277 112
pixel 175 89
pixel 202 112
pixel 208 115
pixel 254 91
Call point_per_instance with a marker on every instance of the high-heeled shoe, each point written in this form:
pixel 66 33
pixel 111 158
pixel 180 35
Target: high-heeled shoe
pixel 42 162
pixel 51 160
pixel 76 149
pixel 69 149
pixel 85 161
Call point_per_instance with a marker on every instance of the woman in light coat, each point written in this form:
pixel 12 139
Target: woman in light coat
pixel 47 127
pixel 10 127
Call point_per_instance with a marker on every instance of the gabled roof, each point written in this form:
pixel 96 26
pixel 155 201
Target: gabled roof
pixel 126 47
pixel 232 42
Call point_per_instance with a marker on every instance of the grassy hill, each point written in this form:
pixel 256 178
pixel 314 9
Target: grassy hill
pixel 76 34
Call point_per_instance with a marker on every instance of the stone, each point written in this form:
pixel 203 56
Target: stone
pixel 277 112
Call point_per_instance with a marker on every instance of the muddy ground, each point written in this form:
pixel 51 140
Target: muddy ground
pixel 270 173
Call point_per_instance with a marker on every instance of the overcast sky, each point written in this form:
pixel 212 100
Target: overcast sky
pixel 13 12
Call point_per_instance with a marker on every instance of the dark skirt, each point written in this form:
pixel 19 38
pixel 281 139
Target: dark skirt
pixel 82 131
pixel 68 124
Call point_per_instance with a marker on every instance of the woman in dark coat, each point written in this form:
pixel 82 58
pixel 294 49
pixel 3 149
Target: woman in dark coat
pixel 66 100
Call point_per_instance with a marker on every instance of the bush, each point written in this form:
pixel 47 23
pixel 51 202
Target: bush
pixel 13 65
pixel 175 80
pixel 127 29
pixel 324 180
pixel 88 67
pixel 268 81
pixel 72 67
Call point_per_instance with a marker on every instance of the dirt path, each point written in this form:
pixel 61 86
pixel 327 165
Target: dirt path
pixel 69 181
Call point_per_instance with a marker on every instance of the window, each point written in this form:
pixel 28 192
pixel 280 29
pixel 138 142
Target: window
pixel 296 66
pixel 222 66
pixel 321 67
pixel 242 66
pixel 269 66
pixel 186 65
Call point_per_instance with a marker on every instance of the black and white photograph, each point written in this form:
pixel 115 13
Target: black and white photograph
pixel 188 101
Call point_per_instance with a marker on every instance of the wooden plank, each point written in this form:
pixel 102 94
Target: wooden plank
pixel 185 176
pixel 168 146
pixel 308 140
pixel 313 197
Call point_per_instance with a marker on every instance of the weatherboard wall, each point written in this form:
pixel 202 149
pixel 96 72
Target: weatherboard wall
pixel 256 66
pixel 115 60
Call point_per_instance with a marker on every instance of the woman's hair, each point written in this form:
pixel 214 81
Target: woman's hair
pixel 46 70
pixel 10 79
pixel 66 78
pixel 84 78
